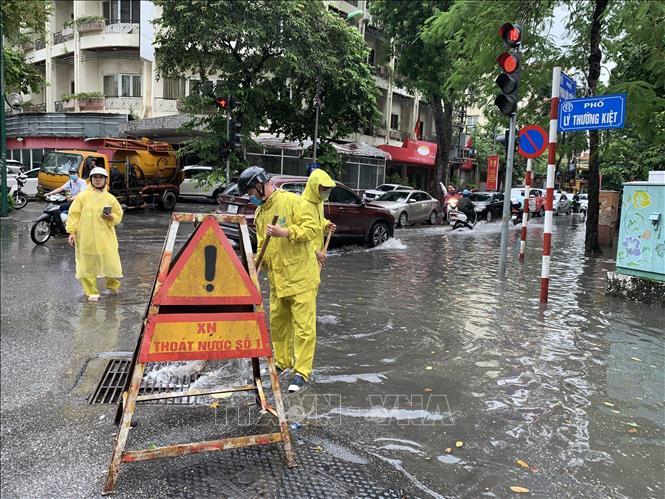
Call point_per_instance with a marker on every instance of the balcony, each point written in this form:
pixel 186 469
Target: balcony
pixel 133 104
pixel 165 106
pixel 118 27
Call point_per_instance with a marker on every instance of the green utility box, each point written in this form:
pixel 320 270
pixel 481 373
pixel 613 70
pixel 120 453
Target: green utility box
pixel 641 246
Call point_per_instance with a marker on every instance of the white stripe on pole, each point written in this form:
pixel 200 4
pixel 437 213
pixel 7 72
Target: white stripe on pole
pixel 553 129
pixel 545 272
pixel 549 218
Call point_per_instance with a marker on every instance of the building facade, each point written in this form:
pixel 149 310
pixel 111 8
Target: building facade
pixel 97 58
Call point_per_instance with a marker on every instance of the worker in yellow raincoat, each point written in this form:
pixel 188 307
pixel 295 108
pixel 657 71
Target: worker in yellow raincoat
pixel 317 191
pixel 91 226
pixel 292 270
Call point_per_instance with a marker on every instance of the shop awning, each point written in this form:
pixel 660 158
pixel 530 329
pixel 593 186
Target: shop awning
pixel 412 152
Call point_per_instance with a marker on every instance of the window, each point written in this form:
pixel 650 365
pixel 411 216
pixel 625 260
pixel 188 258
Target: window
pixel 341 195
pixel 174 88
pixel 394 121
pixel 420 130
pixel 371 57
pixel 36 157
pixel 34 173
pixel 122 11
pixel 295 187
pixel 122 85
pixel 422 196
pixel 471 121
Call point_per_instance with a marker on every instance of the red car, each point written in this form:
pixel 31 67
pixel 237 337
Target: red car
pixel 356 222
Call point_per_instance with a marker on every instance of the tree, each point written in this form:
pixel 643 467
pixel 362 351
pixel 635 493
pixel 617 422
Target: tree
pixel 423 64
pixel 21 21
pixel 269 56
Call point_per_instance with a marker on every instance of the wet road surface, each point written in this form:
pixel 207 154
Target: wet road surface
pixel 418 348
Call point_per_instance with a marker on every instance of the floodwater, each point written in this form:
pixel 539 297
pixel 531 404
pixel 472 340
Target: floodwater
pixel 421 349
pixel 421 342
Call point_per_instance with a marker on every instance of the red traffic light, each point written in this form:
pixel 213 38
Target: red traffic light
pixel 511 34
pixel 222 102
pixel 509 63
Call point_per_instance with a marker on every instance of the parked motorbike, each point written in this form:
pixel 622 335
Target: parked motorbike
pixel 20 199
pixel 50 223
pixel 458 219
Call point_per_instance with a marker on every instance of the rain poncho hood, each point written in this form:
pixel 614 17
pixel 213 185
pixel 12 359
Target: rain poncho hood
pixel 291 262
pixel 317 179
pixel 96 242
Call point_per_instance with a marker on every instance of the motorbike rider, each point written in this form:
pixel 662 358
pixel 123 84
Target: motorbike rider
pixel 74 185
pixel 466 206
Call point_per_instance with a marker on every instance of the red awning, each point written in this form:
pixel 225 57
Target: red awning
pixel 412 152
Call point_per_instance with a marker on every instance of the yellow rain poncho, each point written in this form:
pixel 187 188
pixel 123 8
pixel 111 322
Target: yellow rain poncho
pixel 314 203
pixel 96 243
pixel 294 280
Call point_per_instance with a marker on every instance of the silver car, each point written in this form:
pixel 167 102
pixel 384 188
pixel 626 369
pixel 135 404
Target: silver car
pixel 372 194
pixel 410 207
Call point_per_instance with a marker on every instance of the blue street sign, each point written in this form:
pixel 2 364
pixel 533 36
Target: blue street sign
pixel 567 87
pixel 592 113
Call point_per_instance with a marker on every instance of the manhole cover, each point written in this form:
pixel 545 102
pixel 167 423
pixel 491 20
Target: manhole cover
pixel 112 383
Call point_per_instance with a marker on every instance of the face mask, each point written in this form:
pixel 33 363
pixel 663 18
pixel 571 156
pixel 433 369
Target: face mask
pixel 255 201
pixel 324 195
pixel 73 178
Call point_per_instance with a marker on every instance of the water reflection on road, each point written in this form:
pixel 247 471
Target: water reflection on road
pixel 424 349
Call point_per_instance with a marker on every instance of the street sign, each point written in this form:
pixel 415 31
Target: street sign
pixel 567 88
pixel 172 337
pixel 532 141
pixel 592 113
pixel 492 173
pixel 207 272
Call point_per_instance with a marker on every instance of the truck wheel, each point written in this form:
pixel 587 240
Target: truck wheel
pixel 168 201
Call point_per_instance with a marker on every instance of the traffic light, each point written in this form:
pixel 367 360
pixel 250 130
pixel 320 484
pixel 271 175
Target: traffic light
pixel 222 102
pixel 510 64
pixel 511 34
pixel 235 136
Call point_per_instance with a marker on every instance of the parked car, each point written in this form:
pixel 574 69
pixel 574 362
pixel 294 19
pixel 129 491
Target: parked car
pixel 561 203
pixel 355 220
pixel 536 199
pixel 410 206
pixel 372 194
pixel 488 205
pixel 189 188
pixel 30 187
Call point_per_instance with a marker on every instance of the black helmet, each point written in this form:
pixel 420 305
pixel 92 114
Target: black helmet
pixel 250 177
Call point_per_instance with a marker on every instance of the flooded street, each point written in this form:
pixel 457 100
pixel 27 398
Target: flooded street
pixel 420 350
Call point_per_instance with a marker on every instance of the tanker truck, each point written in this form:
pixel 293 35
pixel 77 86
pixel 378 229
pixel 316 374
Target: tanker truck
pixel 140 171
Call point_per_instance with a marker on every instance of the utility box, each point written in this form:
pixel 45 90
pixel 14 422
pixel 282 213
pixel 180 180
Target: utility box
pixel 641 247
pixel 608 217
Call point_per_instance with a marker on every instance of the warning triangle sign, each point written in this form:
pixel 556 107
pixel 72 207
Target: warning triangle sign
pixel 207 272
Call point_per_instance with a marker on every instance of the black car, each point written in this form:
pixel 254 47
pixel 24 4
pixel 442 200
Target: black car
pixel 488 205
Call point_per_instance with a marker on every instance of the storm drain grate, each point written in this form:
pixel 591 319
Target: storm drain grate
pixel 112 383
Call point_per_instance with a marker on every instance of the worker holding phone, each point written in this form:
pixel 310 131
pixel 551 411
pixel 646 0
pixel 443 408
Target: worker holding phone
pixel 91 227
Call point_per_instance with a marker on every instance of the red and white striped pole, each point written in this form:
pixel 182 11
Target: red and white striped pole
pixel 549 186
pixel 525 215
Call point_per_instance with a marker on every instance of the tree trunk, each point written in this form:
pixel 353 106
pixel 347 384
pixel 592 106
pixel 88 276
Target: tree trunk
pixel 591 246
pixel 442 109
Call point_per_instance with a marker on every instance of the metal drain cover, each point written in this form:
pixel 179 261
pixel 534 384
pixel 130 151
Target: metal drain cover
pixel 110 386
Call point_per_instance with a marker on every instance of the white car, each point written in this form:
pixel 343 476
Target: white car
pixel 189 189
pixel 14 167
pixel 30 187
pixel 410 206
pixel 371 194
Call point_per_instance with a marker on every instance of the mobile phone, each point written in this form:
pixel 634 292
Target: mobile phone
pixel 107 210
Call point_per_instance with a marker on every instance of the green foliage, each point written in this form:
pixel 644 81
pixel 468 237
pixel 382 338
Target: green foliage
pixel 209 179
pixel 269 55
pixel 74 23
pixel 82 96
pixel 394 178
pixel 330 160
pixel 22 21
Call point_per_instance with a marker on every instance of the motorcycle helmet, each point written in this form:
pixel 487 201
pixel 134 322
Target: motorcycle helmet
pixel 250 177
pixel 466 193
pixel 73 170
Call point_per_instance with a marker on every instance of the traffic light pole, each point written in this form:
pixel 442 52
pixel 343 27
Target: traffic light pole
pixel 503 252
pixel 317 104
pixel 228 140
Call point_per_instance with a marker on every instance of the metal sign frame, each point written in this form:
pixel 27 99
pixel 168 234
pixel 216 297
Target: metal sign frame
pixel 127 405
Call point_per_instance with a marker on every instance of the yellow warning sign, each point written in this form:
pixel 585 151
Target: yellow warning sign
pixel 205 337
pixel 207 272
